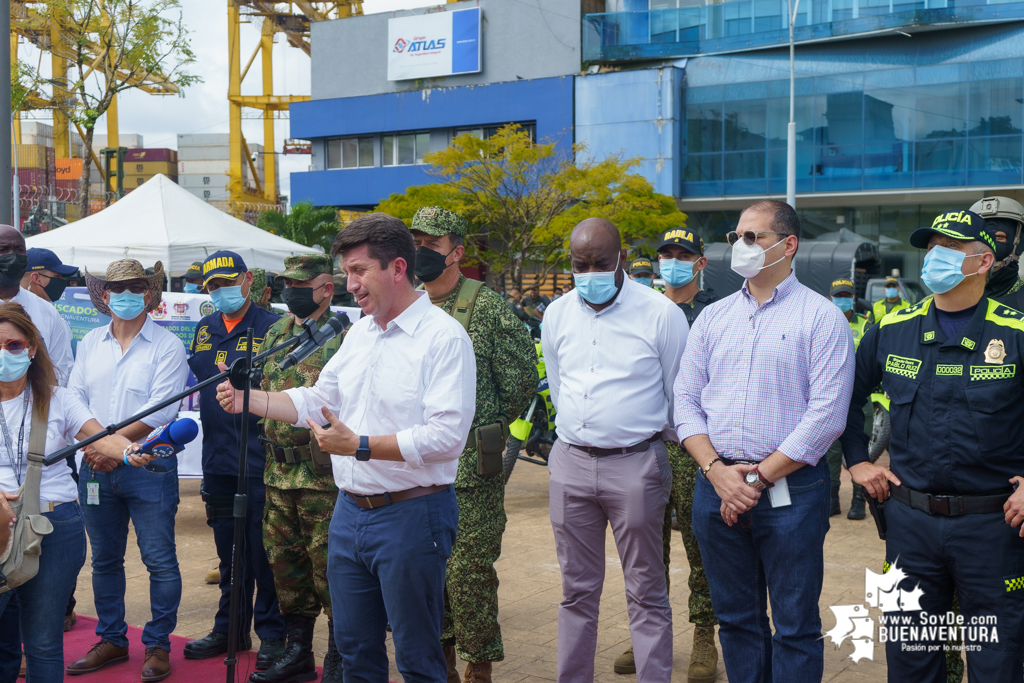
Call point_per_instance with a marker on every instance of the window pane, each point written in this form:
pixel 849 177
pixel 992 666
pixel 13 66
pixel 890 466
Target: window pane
pixel 334 154
pixel 996 107
pixel 745 124
pixel 941 110
pixel 406 149
pixel 843 112
pixel 704 127
pixel 388 151
pixel 422 146
pixel 350 153
pixel 366 152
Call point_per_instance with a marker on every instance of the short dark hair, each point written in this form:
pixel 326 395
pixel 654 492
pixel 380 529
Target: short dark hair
pixel 386 238
pixel 784 218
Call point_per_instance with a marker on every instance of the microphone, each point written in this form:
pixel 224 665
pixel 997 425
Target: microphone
pixel 163 442
pixel 331 329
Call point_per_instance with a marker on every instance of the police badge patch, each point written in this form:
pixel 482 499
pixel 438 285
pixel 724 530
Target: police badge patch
pixel 995 353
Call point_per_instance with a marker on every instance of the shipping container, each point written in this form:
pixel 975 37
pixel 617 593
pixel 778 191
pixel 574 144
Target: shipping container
pixel 204 153
pixel 33 156
pixel 212 194
pixel 211 167
pixel 203 139
pixel 69 169
pixel 203 181
pixel 158 154
pixel 150 168
pixel 129 140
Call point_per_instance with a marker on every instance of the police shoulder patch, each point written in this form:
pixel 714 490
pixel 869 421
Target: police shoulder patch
pixel 904 314
pixel 1004 316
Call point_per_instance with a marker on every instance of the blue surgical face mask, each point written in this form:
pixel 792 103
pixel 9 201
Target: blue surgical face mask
pixel 844 303
pixel 676 273
pixel 13 366
pixel 942 270
pixel 597 288
pixel 191 288
pixel 228 299
pixel 126 305
pixel 891 292
pixel 645 281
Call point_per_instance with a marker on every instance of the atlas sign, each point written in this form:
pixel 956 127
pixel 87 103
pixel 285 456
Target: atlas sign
pixel 434 45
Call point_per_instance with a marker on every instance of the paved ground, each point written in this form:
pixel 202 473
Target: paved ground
pixel 530 588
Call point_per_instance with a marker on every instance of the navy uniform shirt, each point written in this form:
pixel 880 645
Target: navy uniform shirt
pixel 213 344
pixel 700 301
pixel 955 404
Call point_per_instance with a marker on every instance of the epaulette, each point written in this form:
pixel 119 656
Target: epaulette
pixel 904 314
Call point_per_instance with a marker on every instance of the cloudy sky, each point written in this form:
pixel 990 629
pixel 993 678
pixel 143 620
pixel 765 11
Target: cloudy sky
pixel 204 107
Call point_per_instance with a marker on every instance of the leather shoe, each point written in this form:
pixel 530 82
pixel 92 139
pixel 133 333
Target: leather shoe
pixel 213 645
pixel 101 654
pixel 271 650
pixel 157 666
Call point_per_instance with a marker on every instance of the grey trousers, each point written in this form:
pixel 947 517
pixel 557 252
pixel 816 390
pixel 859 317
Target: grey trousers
pixel 586 494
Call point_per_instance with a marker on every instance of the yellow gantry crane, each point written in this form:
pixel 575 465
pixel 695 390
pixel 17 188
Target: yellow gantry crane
pixel 292 19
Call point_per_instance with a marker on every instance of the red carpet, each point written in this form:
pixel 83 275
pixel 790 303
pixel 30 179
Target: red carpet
pixel 78 640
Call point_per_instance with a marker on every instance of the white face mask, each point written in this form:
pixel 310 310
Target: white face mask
pixel 748 260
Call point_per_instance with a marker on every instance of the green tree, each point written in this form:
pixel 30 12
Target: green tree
pixel 523 198
pixel 305 224
pixel 112 46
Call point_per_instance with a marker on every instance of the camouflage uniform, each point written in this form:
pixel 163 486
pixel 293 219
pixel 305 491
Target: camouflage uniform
pixel 300 501
pixel 506 379
pixel 684 479
pixel 259 288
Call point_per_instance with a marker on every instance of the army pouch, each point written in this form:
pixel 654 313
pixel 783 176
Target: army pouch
pixel 321 461
pixel 490 446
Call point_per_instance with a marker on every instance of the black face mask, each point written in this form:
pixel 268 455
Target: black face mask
pixel 430 264
pixel 12 269
pixel 55 288
pixel 300 300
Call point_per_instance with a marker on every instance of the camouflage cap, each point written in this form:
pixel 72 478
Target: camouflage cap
pixel 439 222
pixel 307 266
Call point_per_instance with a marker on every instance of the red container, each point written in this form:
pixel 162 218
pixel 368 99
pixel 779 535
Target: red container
pixel 32 176
pixel 151 155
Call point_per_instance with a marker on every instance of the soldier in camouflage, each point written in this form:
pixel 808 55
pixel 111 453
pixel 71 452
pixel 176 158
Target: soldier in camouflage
pixel 506 378
pixel 300 485
pixel 260 290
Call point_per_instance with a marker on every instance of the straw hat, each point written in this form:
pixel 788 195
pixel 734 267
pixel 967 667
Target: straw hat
pixel 123 271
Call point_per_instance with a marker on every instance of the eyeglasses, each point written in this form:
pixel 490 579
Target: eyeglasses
pixel 134 288
pixel 14 345
pixel 749 237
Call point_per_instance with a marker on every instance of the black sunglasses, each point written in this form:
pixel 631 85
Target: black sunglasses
pixel 749 237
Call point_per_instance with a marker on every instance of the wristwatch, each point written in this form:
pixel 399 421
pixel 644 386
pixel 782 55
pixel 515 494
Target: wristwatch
pixel 363 452
pixel 756 480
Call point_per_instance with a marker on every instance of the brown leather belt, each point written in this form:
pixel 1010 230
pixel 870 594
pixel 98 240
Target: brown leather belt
pixel 605 452
pixel 379 500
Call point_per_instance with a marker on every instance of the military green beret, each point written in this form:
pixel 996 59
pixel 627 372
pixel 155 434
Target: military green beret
pixel 307 266
pixel 439 222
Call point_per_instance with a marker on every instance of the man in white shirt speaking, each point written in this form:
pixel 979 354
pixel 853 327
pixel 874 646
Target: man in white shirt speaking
pixel 125 367
pixel 393 407
pixel 612 348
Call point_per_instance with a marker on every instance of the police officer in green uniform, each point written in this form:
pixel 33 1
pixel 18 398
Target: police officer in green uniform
pixel 642 270
pixel 889 303
pixel 220 338
pixel 506 379
pixel 192 281
pixel 953 367
pixel 680 259
pixel 842 294
pixel 301 492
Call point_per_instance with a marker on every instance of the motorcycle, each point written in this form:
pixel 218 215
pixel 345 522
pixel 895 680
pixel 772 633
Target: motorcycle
pixel 534 432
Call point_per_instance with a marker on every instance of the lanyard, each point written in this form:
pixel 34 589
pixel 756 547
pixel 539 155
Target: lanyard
pixel 15 463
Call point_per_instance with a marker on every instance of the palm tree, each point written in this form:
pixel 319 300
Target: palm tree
pixel 305 224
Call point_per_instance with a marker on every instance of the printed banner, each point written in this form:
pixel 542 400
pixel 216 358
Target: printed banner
pixel 431 45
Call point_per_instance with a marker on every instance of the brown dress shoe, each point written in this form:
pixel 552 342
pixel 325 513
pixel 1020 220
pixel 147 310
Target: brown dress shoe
pixel 157 666
pixel 453 667
pixel 101 654
pixel 478 672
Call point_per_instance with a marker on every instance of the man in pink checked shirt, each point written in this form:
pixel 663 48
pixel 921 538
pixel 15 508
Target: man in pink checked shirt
pixel 763 389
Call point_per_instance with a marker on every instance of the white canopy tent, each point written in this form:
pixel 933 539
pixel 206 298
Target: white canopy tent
pixel 160 221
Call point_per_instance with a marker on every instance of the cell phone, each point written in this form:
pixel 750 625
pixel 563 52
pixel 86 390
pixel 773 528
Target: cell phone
pixel 778 495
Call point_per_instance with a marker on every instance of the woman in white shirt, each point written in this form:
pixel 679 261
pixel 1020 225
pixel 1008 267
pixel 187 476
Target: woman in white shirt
pixel 27 382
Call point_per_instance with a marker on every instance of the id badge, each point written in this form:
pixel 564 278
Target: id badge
pixel 92 489
pixel 778 495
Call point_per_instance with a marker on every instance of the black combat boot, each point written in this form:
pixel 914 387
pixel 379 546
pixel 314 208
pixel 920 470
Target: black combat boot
pixel 857 504
pixel 297 664
pixel 332 660
pixel 835 502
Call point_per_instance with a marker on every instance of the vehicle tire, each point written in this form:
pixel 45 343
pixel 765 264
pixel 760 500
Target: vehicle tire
pixel 880 432
pixel 511 455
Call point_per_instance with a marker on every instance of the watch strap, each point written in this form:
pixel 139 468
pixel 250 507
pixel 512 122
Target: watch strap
pixel 708 468
pixel 761 478
pixel 363 452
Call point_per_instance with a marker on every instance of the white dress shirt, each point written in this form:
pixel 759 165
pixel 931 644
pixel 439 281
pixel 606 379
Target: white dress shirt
pixel 416 379
pixel 55 331
pixel 66 417
pixel 611 371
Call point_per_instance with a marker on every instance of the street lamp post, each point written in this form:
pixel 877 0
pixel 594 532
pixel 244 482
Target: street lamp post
pixel 791 132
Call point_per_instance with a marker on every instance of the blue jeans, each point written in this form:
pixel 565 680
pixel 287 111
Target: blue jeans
pixel 388 564
pixel 776 551
pixel 44 599
pixel 149 497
